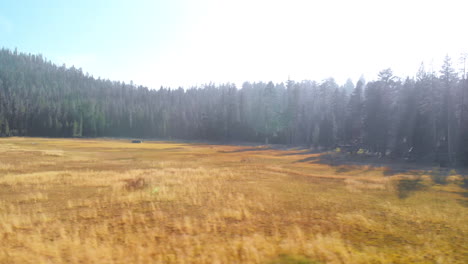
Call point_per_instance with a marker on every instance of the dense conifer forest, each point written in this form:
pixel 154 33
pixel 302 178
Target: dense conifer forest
pixel 424 118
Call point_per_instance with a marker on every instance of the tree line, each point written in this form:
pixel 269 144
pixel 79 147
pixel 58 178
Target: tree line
pixel 424 118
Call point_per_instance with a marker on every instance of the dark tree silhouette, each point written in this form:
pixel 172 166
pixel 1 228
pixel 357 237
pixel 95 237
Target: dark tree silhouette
pixel 423 118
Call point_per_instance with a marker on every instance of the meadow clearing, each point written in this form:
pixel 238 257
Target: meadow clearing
pixel 111 201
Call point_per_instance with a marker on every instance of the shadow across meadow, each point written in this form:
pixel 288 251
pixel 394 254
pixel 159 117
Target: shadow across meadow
pixel 406 187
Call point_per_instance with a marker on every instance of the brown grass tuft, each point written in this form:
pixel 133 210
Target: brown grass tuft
pixel 135 184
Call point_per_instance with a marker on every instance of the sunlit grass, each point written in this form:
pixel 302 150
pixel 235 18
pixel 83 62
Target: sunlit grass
pixel 111 201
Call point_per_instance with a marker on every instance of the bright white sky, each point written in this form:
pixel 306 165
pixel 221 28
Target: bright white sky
pixel 271 40
pixel 185 43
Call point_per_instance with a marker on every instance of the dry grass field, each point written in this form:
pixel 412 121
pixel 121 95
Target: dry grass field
pixel 111 201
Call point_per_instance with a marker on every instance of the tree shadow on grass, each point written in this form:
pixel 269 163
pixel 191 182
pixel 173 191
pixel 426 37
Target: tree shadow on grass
pixel 308 159
pixel 391 166
pixel 300 151
pixel 394 171
pixel 406 187
pixel 353 168
pixel 463 201
pixel 344 169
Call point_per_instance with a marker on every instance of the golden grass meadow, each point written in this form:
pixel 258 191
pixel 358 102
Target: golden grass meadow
pixel 111 201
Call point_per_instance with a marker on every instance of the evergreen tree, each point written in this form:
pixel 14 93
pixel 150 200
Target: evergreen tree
pixel 423 119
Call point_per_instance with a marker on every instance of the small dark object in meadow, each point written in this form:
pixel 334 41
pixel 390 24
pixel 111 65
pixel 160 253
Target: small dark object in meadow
pixel 137 141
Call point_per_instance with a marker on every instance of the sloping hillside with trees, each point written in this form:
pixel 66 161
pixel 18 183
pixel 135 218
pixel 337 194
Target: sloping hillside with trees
pixel 423 118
